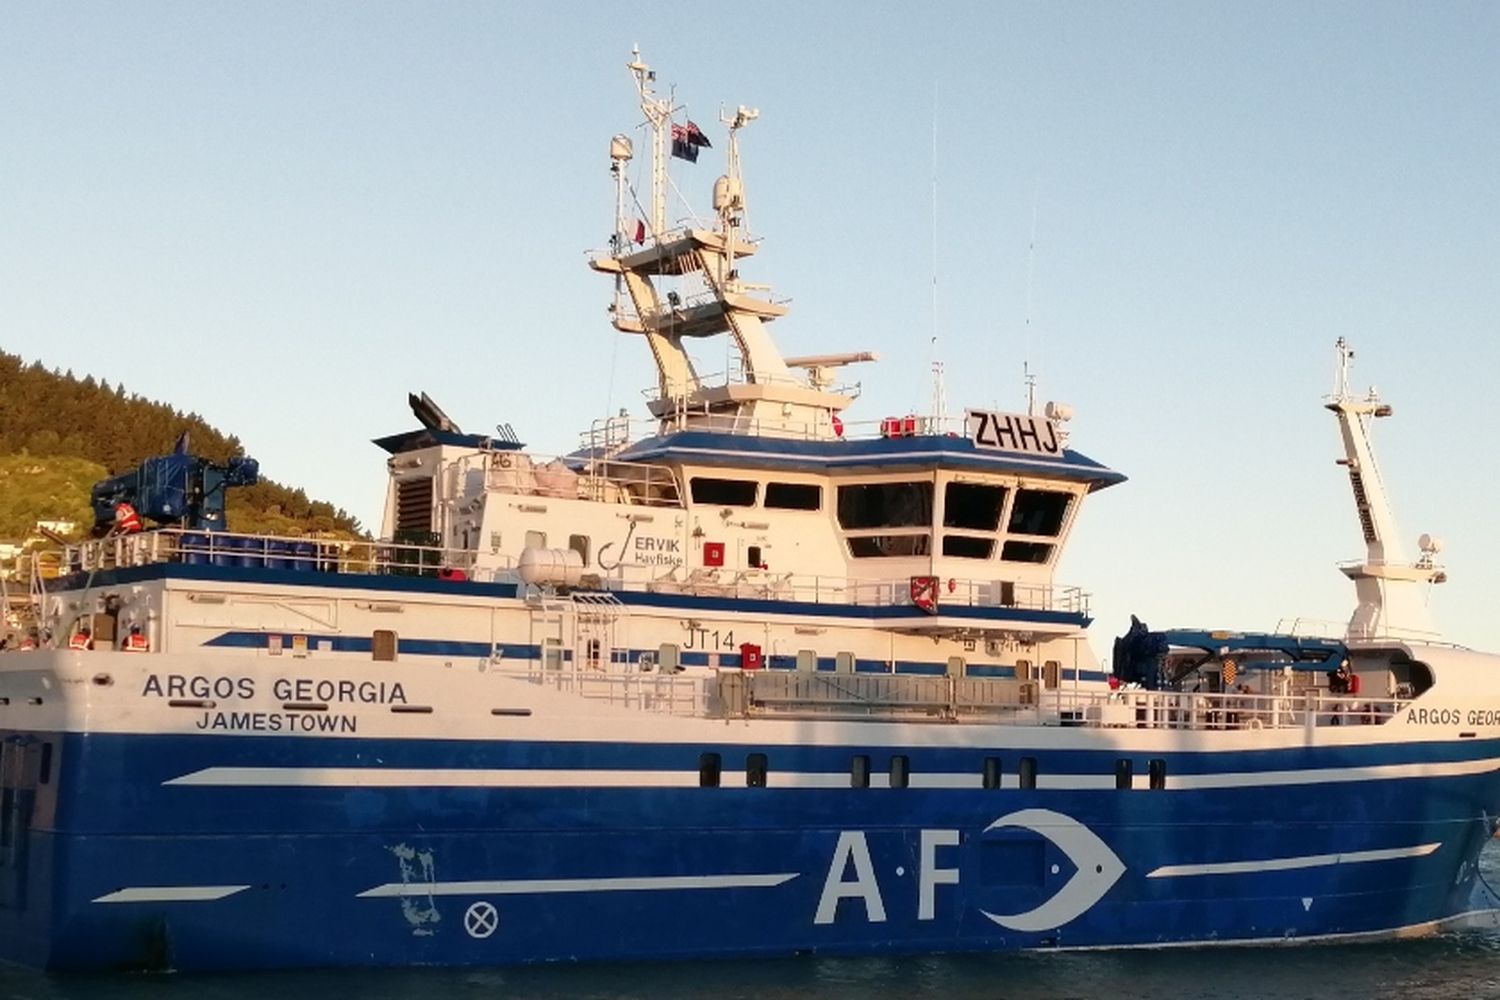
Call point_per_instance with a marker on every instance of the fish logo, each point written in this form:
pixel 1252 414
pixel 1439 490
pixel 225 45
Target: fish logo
pixel 1099 868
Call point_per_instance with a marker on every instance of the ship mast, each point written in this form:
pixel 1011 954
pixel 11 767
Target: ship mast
pixel 658 111
pixel 1388 587
pixel 764 395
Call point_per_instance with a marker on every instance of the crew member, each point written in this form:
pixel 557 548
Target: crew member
pixel 127 521
pixel 1340 682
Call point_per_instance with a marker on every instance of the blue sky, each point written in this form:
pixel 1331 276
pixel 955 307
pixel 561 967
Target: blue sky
pixel 284 216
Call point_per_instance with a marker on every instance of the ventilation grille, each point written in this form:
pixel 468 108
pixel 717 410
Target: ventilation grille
pixel 414 505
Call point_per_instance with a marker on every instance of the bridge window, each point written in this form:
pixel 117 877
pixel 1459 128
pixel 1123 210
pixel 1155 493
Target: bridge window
pixel 900 771
pixel 1028 552
pixel 708 770
pixel 968 547
pixel 724 492
pixel 859 771
pixel 794 496
pixel 992 773
pixel 1027 772
pixel 755 770
pixel 972 505
pixel 885 505
pixel 1039 512
pixel 868 546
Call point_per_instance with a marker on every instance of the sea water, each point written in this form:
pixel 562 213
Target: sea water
pixel 1456 966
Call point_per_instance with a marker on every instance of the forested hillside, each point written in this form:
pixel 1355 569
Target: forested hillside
pixel 59 434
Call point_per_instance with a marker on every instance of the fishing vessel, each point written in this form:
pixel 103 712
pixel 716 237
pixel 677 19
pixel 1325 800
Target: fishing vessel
pixel 750 679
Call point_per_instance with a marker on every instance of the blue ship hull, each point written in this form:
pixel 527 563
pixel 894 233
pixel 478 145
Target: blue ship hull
pixel 404 873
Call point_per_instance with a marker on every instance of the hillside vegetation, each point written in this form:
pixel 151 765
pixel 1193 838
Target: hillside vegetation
pixel 60 434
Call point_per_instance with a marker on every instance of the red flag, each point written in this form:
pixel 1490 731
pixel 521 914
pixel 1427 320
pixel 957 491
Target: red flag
pixel 640 231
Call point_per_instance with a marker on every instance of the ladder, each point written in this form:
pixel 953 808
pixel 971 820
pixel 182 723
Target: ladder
pixel 552 628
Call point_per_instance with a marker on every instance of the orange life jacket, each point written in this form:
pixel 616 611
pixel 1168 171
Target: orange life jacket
pixel 127 521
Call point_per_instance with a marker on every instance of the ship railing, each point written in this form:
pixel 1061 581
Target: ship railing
pixel 596 478
pixel 1203 710
pixel 653 691
pixel 44 564
pixel 292 554
pixel 820 589
pixel 1326 629
pixel 686 414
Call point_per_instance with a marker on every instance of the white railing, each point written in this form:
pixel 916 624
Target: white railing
pixel 310 555
pixel 667 694
pixel 1309 710
pixel 822 589
pixel 1325 629
pixel 623 429
pixel 314 555
pixel 601 480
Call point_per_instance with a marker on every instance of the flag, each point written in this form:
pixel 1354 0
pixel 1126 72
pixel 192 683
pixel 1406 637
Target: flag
pixel 640 231
pixel 682 148
pixel 924 593
pixel 687 140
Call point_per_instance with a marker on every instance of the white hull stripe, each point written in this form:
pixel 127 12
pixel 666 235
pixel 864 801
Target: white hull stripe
pixel 1290 864
pixel 171 894
pixel 551 886
pixel 388 777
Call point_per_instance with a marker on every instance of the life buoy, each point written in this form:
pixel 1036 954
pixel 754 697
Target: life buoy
pixel 952 585
pixel 838 425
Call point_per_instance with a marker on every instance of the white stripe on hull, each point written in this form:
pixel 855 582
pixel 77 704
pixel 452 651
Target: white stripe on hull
pixel 1291 864
pixel 551 886
pixel 171 894
pixel 385 777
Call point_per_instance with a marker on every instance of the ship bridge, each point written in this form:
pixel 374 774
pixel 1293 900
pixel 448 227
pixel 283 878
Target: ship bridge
pixel 930 520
